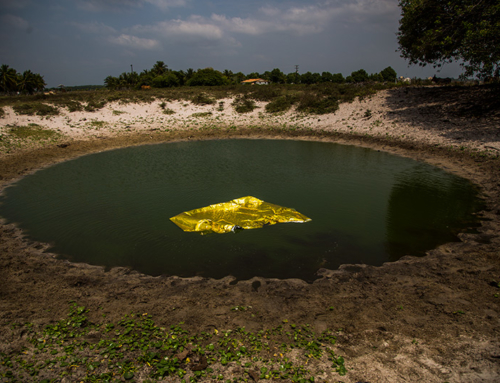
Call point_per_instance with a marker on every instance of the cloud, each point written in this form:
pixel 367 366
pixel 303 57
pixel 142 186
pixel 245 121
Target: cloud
pixel 195 26
pixel 120 5
pixel 14 4
pixel 94 27
pixel 16 22
pixel 134 42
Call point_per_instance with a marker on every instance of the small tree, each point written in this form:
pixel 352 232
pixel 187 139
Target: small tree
pixel 359 76
pixel 338 78
pixel 389 74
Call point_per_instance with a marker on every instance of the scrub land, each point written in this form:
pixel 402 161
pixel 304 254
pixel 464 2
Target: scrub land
pixel 429 319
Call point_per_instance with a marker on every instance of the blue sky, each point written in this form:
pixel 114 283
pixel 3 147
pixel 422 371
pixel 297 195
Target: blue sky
pixel 81 42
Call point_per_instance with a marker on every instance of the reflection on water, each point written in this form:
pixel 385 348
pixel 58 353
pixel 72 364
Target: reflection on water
pixel 425 210
pixel 113 208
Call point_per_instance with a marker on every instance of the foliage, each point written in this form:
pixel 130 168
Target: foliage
pixel 277 76
pixel 207 77
pixel 37 108
pixel 389 74
pixel 280 104
pixel 359 76
pixel 439 31
pixel 27 82
pixel 243 105
pixel 78 349
pixel 32 131
pixel 202 99
pixel 318 105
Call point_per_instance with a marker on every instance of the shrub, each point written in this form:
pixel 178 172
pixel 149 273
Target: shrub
pixel 264 92
pixel 93 105
pixel 310 103
pixel 32 131
pixel 280 104
pixel 202 99
pixel 36 108
pixel 243 105
pixel 2 113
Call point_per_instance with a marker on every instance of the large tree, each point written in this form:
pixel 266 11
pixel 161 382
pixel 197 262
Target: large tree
pixel 441 31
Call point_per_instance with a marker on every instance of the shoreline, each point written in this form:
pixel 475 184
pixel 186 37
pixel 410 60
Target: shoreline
pixel 377 337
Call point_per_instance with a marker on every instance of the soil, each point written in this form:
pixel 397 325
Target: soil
pixel 430 319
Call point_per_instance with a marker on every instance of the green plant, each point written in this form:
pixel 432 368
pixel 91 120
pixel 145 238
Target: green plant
pixel 243 105
pixel 37 108
pixel 202 99
pixel 168 111
pixel 201 114
pixel 368 113
pixel 33 132
pixel 280 104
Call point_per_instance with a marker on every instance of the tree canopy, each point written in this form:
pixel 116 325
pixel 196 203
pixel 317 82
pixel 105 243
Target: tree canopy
pixel 441 31
pixel 27 82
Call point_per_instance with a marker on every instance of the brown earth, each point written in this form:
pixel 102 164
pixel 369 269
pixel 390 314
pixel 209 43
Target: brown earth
pixel 429 319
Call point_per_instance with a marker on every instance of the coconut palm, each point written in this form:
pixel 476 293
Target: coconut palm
pixel 8 79
pixel 159 68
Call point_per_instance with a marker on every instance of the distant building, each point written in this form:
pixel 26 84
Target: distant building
pixel 258 81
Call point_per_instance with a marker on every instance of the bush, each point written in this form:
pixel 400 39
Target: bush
pixel 93 105
pixel 202 99
pixel 36 108
pixel 264 92
pixel 32 131
pixel 243 105
pixel 280 104
pixel 310 103
pixel 207 77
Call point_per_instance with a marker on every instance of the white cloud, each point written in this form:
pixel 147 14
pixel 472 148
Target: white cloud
pixel 134 42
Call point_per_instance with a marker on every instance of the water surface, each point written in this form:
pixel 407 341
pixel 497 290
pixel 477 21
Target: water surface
pixel 113 208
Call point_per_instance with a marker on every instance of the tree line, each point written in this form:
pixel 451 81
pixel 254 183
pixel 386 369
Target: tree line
pixel 160 76
pixel 13 82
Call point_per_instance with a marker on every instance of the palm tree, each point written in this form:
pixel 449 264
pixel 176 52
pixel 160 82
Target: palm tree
pixel 27 82
pixel 8 79
pixel 159 68
pixel 38 82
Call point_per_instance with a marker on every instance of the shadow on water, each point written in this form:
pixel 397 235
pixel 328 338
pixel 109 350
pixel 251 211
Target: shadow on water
pixel 421 209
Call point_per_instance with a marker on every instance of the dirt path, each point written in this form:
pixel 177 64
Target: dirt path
pixel 429 319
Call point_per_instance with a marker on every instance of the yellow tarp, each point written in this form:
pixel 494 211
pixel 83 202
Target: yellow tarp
pixel 244 213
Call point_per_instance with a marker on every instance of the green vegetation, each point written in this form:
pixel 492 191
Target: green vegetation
pixel 27 82
pixel 440 31
pixel 136 348
pixel 202 114
pixel 160 76
pixel 281 104
pixel 244 105
pixel 2 113
pixel 32 131
pixel 37 108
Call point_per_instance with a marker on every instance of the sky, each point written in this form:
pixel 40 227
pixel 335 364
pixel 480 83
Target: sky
pixel 81 42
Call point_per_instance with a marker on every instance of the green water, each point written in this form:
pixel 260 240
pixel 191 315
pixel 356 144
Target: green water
pixel 113 208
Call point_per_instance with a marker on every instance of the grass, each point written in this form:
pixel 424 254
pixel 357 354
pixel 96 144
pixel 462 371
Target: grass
pixel 202 114
pixel 281 104
pixel 32 132
pixel 76 349
pixel 2 113
pixel 37 108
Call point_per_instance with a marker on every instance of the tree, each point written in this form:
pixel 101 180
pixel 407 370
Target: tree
pixel 359 76
pixel 207 77
pixel 441 31
pixel 277 76
pixel 26 82
pixel 159 68
pixel 338 78
pixel 8 79
pixel 389 74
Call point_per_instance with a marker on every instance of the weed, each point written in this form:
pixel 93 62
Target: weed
pixel 310 103
pixel 368 114
pixel 76 348
pixel 2 113
pixel 32 132
pixel 94 105
pixel 202 99
pixel 221 106
pixel 163 105
pixel 201 114
pixel 168 111
pixel 96 124
pixel 37 108
pixel 118 112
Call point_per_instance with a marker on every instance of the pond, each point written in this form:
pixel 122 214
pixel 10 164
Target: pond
pixel 114 208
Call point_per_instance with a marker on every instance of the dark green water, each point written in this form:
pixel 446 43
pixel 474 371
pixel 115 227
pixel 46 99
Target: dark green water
pixel 113 208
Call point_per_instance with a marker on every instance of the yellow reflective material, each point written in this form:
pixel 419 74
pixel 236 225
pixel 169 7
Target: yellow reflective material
pixel 244 213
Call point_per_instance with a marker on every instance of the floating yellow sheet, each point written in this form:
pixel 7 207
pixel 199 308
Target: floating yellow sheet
pixel 240 213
